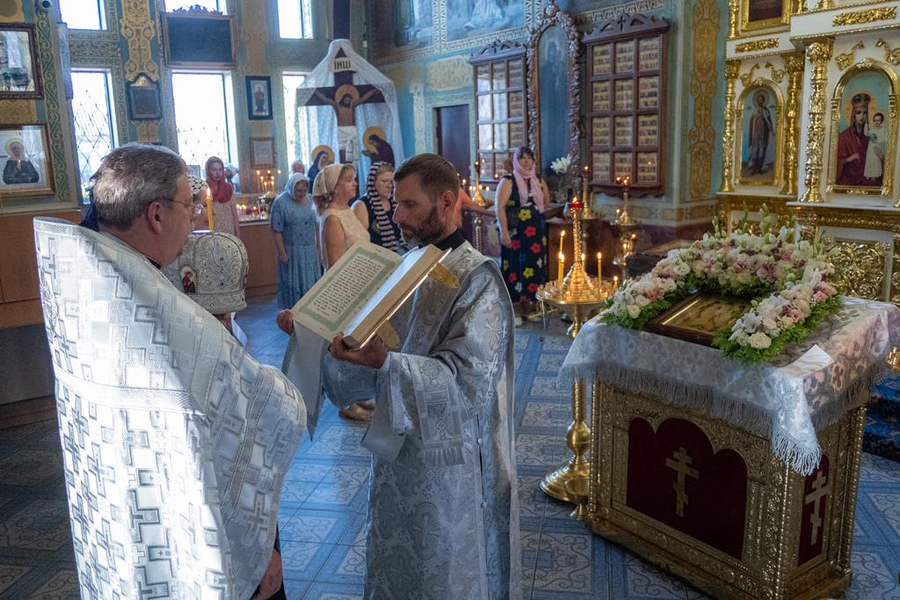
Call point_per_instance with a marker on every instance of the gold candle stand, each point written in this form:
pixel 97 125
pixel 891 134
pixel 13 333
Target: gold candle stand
pixel 579 296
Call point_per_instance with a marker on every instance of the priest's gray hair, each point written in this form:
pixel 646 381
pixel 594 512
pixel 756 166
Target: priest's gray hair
pixel 131 177
pixel 436 173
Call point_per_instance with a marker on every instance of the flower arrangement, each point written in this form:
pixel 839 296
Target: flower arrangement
pixel 787 278
pixel 562 166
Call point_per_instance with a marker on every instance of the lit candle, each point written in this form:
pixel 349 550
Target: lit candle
pixel 615 282
pixel 561 268
pixel 209 215
pixel 562 239
pixel 584 185
pixel 582 258
pixel 599 266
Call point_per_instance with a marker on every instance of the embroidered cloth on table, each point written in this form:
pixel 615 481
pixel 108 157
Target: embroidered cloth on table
pixel 807 387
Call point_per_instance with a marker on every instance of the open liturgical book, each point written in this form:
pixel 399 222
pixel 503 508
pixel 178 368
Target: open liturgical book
pixel 364 289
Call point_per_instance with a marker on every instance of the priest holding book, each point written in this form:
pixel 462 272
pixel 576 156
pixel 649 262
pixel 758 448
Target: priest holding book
pixel 443 511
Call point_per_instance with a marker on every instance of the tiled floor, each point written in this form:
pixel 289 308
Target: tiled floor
pixel 323 518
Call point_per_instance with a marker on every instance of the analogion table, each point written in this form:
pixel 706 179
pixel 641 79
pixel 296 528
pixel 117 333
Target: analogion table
pixel 740 478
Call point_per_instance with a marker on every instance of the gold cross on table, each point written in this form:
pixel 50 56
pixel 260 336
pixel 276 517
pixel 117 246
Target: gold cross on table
pixel 682 467
pixel 820 489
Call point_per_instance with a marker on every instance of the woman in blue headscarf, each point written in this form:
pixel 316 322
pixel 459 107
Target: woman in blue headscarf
pixel 317 165
pixel 293 225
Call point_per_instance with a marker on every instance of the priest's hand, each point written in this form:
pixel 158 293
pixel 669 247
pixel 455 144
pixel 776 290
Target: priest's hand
pixel 371 355
pixel 285 321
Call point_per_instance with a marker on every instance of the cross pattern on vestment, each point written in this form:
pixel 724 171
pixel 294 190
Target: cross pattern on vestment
pixel 682 468
pixel 820 489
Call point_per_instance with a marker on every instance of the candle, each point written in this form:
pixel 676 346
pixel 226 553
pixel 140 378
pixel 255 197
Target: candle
pixel 584 184
pixel 562 239
pixel 561 268
pixel 615 282
pixel 209 215
pixel 599 266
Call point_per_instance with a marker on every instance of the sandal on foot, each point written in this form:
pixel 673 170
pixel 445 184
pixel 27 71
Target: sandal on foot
pixel 354 412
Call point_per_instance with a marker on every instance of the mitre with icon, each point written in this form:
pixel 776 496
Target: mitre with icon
pixel 212 270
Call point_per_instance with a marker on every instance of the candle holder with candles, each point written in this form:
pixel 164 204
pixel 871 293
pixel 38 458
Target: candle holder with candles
pixel 578 295
pixel 626 224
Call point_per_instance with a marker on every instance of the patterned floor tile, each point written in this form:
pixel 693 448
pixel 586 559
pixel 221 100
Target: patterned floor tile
pixel 544 386
pixel 9 574
pixel 303 560
pixel 544 414
pixel 639 581
pixel 347 564
pixel 315 526
pixel 888 507
pixel 303 471
pixel 61 586
pixel 875 469
pixel 334 591
pixel 28 467
pixel 356 531
pixel 343 496
pixel 295 493
pixel 530 542
pixel 539 450
pixel 551 362
pixel 294 589
pixel 874 574
pixel 532 500
pixel 564 563
pixel 337 441
pixel 39 525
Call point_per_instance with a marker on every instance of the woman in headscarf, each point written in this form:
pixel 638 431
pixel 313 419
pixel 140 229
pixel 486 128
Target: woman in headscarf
pixel 225 214
pixel 293 222
pixel 334 189
pixel 375 210
pixel 520 204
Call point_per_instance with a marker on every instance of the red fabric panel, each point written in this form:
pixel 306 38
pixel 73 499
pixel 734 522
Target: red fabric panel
pixel 715 500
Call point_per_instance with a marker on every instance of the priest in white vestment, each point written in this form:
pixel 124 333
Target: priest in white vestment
pixel 175 441
pixel 443 515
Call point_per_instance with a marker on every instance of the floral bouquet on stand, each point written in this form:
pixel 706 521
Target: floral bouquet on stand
pixel 788 280
pixel 562 166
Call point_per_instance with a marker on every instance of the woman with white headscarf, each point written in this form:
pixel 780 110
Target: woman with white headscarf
pixel 293 222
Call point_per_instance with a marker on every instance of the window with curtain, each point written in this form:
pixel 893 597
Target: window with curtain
pixel 83 14
pixel 94 120
pixel 295 19
pixel 204 116
pixel 296 127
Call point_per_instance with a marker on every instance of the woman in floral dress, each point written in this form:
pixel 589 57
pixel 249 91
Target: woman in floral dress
pixel 520 204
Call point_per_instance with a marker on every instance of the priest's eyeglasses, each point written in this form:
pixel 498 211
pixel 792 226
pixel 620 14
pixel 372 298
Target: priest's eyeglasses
pixel 196 209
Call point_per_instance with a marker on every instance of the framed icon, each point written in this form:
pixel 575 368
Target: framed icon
pixel 25 156
pixel 20 71
pixel 259 97
pixel 143 99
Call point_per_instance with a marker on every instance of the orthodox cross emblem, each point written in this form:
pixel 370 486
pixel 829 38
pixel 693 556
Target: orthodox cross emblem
pixel 682 467
pixel 820 489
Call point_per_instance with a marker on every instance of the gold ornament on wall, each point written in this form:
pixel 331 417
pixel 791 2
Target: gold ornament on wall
pixel 705 19
pixel 747 78
pixel 860 17
pixel 819 54
pixel 890 55
pixel 757 45
pixel 860 268
pixel 794 64
pixel 777 74
pixel 846 59
pixel 732 69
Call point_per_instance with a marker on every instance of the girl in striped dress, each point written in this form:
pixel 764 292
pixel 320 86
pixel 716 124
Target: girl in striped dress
pixel 375 210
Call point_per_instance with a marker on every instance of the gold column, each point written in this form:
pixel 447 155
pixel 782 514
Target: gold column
pixel 734 14
pixel 732 69
pixel 799 7
pixel 825 4
pixel 793 62
pixel 578 440
pixel 818 53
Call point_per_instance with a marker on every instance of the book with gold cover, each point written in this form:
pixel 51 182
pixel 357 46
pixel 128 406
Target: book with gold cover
pixel 364 289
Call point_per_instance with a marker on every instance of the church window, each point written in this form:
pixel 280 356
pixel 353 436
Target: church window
pixel 204 116
pixel 296 123
pixel 83 14
pixel 295 19
pixel 94 120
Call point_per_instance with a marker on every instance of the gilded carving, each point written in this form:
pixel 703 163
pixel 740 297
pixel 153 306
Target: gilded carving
pixel 860 17
pixel 747 78
pixel 705 17
pixel 734 11
pixel 895 271
pixel 138 28
pixel 860 268
pixel 777 74
pixel 449 74
pixel 18 111
pixel 732 68
pixel 846 59
pixel 793 63
pixel 890 55
pixel 881 220
pixel 818 53
pixel 85 48
pixel 756 45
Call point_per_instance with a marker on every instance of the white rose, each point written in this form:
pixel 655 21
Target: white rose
pixel 642 301
pixel 682 269
pixel 634 310
pixel 760 341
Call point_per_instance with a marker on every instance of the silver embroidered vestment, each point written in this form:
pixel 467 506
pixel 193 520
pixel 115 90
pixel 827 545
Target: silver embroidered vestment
pixel 443 514
pixel 175 441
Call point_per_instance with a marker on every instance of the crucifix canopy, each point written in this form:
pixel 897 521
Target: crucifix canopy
pixel 345 87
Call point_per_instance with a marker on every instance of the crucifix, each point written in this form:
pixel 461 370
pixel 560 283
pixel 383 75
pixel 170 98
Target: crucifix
pixel 820 489
pixel 681 466
pixel 344 97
